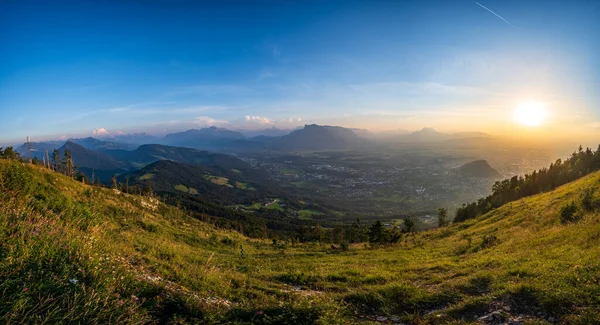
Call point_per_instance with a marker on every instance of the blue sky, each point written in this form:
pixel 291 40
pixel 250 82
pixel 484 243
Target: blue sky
pixel 72 68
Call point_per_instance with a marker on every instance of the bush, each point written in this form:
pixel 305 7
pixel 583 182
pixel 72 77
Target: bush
pixel 345 245
pixel 228 242
pixel 587 200
pixel 489 240
pixel 568 213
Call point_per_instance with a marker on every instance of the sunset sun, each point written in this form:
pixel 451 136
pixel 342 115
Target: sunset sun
pixel 530 113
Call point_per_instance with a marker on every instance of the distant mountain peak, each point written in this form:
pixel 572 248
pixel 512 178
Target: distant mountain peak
pixel 427 130
pixel 202 138
pixel 318 137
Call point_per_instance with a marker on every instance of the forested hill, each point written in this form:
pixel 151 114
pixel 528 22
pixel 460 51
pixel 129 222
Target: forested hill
pixel 150 153
pixel 219 185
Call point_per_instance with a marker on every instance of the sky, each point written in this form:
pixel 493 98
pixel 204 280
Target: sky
pixel 100 68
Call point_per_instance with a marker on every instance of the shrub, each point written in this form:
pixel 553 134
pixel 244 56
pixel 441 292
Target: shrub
pixel 228 242
pixel 587 200
pixel 344 245
pixel 489 240
pixel 568 213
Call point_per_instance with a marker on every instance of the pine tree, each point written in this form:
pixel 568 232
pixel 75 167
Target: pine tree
pixel 376 233
pixel 9 153
pixel 409 224
pixel 442 217
pixel 68 164
pixel 56 160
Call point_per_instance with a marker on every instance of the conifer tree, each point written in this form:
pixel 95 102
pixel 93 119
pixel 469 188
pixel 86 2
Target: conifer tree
pixel 376 233
pixel 442 217
pixel 68 164
pixel 56 160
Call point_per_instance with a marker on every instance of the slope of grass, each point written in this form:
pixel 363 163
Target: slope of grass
pixel 74 253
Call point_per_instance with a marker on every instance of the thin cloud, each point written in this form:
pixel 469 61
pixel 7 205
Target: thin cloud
pixel 265 74
pixel 495 14
pixel 209 90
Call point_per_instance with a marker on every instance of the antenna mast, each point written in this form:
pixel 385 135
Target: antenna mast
pixel 29 149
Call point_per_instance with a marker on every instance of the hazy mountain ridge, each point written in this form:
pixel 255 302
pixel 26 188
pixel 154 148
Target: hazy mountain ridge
pixel 96 144
pixel 309 137
pixel 92 159
pixel 270 132
pixel 318 137
pixel 149 153
pixel 132 138
pixel 431 135
pixel 38 149
pixel 211 137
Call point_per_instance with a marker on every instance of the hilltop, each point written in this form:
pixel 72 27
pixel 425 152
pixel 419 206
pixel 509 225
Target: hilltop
pixel 210 137
pixel 318 137
pixel 479 168
pixel 75 253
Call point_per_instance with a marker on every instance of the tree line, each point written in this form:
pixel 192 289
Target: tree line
pixel 580 163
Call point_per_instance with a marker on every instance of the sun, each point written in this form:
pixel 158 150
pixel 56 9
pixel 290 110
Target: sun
pixel 530 113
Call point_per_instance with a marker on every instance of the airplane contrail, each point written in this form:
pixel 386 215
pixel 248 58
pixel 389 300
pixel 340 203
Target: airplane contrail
pixel 495 14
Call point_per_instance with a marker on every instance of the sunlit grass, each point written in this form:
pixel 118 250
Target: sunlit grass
pixel 134 259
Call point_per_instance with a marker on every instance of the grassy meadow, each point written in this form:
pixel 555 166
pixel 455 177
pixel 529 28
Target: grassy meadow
pixel 72 253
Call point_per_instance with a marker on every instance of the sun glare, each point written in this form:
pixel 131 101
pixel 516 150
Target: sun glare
pixel 530 113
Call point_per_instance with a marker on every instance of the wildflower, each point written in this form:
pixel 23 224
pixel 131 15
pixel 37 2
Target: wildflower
pixel 73 281
pixel 260 312
pixel 25 289
pixel 120 302
pixel 134 298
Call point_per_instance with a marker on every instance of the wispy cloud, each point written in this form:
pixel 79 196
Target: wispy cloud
pixel 208 90
pixel 265 74
pixel 420 89
pixel 495 14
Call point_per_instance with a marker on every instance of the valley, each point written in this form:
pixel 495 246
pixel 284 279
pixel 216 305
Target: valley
pixel 108 256
pixel 347 176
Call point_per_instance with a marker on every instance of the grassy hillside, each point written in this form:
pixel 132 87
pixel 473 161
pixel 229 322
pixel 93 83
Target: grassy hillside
pixel 80 254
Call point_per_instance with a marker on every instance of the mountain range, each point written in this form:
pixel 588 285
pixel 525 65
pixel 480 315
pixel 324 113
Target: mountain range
pixel 310 137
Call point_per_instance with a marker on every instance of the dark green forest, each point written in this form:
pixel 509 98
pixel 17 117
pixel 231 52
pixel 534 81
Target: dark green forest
pixel 580 163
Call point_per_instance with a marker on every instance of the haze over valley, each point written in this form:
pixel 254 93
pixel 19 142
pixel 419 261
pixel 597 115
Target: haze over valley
pixel 300 162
